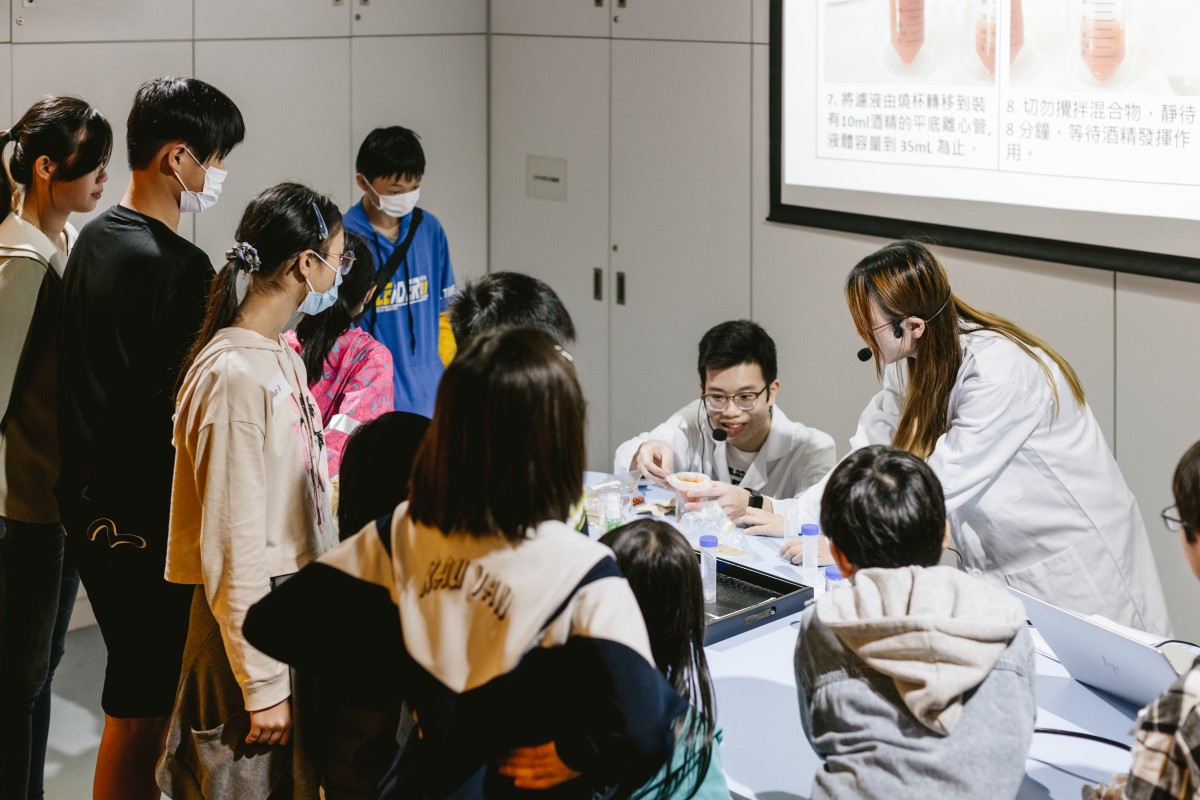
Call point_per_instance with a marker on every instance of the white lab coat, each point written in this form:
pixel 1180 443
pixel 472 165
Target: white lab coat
pixel 1035 500
pixel 793 457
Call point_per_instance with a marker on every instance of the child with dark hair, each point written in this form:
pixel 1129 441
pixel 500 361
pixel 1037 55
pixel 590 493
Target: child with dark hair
pixel 735 433
pixel 931 666
pixel 134 294
pixel 61 147
pixel 250 505
pixel 349 373
pixel 377 464
pixel 510 299
pixel 1166 752
pixel 414 279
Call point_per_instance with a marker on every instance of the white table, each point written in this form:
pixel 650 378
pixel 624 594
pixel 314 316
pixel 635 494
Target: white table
pixel 767 757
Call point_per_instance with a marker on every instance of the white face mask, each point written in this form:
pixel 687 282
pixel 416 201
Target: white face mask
pixel 397 205
pixel 194 202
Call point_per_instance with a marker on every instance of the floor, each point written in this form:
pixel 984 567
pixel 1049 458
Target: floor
pixel 75 718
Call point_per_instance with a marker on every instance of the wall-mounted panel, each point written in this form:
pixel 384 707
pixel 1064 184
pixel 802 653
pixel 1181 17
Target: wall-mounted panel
pixel 550 101
pixel 105 74
pixel 552 17
pixel 107 21
pixel 297 112
pixel 450 116
pixel 688 20
pixel 1158 381
pixel 271 19
pixel 409 17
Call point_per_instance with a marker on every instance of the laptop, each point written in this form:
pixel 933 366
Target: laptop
pixel 1098 656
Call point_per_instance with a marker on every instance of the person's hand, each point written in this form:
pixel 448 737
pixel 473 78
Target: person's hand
pixel 536 767
pixel 760 522
pixel 655 459
pixel 732 499
pixel 271 725
pixel 793 550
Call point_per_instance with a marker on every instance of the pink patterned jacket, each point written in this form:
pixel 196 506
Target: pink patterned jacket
pixel 355 388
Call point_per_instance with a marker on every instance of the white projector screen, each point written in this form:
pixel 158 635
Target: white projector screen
pixel 1065 130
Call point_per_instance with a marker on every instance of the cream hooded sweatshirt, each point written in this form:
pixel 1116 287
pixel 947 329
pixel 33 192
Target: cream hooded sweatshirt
pixel 250 499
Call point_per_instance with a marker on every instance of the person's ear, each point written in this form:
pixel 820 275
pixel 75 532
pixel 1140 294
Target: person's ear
pixel 916 327
pixel 306 265
pixel 843 564
pixel 44 167
pixel 947 537
pixel 361 182
pixel 773 394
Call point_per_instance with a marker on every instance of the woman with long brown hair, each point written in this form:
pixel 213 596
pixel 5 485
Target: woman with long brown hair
pixel 1035 498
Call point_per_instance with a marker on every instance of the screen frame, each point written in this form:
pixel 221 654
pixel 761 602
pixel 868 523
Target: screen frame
pixel 1136 262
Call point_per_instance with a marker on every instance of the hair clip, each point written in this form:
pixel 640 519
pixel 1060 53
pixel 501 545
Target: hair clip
pixel 564 353
pixel 321 227
pixel 245 256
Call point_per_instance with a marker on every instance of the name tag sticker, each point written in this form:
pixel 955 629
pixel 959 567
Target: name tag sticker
pixel 279 389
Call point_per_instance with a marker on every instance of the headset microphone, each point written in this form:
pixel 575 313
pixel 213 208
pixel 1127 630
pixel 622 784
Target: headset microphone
pixel 864 354
pixel 718 434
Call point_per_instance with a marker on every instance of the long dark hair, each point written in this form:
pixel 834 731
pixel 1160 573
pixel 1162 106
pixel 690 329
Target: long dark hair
pixel 505 452
pixel 276 227
pixel 319 332
pixel 661 569
pixel 907 280
pixel 68 131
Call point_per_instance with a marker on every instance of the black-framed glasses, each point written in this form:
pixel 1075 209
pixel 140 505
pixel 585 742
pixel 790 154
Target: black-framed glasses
pixel 1171 518
pixel 743 400
pixel 345 260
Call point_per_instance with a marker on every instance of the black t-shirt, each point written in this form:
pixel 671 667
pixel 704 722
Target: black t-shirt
pixel 134 298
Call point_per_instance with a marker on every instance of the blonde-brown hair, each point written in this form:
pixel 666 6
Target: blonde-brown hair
pixel 907 280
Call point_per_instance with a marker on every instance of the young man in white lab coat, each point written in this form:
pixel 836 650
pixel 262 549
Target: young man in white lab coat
pixel 734 433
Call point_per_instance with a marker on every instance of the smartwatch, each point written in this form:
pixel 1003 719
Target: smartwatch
pixel 756 499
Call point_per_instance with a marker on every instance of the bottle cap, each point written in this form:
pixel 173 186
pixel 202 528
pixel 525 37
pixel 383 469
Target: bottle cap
pixel 708 540
pixel 810 530
pixel 833 574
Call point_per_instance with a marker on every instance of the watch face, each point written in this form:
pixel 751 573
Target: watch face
pixel 756 499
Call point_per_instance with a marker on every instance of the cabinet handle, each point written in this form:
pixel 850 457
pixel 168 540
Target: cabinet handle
pixel 599 3
pixel 620 288
pixel 620 3
pixel 597 284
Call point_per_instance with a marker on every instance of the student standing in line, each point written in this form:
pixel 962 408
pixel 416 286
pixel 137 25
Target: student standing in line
pixel 349 373
pixel 917 680
pixel 134 299
pixel 250 503
pixel 509 299
pixel 414 278
pixel 1166 753
pixel 504 611
pixel 735 432
pixel 1035 498
pixel 61 147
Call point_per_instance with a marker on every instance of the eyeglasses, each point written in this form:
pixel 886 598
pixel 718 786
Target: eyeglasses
pixel 744 400
pixel 1171 519
pixel 345 261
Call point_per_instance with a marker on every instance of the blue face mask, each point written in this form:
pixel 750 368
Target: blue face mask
pixel 315 302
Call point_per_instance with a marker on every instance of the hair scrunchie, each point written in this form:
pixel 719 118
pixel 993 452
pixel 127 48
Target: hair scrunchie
pixel 7 136
pixel 244 257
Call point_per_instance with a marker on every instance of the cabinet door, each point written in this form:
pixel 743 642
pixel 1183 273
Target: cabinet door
pixel 107 76
pixel 297 116
pixel 447 107
pixel 690 20
pixel 550 101
pixel 271 19
pixel 680 216
pixel 552 17
pixel 107 21
pixel 400 17
pixel 6 30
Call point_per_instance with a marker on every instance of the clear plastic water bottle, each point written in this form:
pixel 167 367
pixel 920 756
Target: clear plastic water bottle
pixel 808 535
pixel 708 567
pixel 834 579
pixel 610 511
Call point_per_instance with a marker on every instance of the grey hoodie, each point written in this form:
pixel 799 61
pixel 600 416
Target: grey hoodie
pixel 916 682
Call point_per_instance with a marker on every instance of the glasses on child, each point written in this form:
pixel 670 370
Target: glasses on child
pixel 345 261
pixel 743 400
pixel 1170 518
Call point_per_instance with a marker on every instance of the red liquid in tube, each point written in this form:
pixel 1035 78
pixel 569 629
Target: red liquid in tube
pixel 986 28
pixel 1102 37
pixel 908 28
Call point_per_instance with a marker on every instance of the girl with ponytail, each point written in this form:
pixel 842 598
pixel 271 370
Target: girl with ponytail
pixel 60 149
pixel 250 500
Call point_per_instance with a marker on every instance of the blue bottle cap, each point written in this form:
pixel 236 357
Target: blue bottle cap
pixel 833 574
pixel 810 530
pixel 708 540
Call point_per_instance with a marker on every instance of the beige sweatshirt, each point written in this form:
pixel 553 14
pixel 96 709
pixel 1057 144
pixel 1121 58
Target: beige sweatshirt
pixel 250 499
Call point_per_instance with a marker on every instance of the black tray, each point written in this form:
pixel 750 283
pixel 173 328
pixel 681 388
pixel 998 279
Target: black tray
pixel 748 598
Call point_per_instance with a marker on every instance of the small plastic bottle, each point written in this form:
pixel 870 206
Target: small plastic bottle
pixel 833 578
pixel 808 535
pixel 708 567
pixel 610 511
